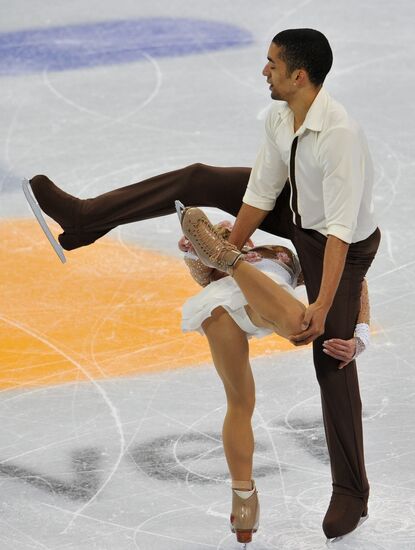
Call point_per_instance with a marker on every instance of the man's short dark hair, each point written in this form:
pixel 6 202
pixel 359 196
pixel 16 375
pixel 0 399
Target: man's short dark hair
pixel 305 49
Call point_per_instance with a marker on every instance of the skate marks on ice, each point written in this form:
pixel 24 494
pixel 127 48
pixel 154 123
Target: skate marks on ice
pixel 84 485
pixel 194 458
pixel 191 458
pixel 169 489
pixel 390 526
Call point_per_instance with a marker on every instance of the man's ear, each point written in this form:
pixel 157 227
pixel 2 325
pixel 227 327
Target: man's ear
pixel 301 77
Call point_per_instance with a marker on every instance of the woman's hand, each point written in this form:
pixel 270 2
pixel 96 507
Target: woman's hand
pixel 343 350
pixel 252 257
pixel 185 245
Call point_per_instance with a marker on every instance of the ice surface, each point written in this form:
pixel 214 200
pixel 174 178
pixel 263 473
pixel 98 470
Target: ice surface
pixel 136 462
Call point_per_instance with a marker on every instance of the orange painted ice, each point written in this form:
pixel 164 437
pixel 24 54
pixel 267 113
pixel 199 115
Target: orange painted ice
pixel 112 310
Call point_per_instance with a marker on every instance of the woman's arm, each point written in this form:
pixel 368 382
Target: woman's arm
pixel 200 273
pixel 347 350
pixel 364 313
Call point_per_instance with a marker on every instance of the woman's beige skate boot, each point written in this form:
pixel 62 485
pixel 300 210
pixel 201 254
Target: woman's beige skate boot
pixel 211 248
pixel 245 515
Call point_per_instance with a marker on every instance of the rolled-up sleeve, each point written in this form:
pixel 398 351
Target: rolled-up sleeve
pixel 269 173
pixel 343 181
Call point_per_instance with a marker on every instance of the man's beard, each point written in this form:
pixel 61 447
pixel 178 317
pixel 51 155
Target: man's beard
pixel 276 96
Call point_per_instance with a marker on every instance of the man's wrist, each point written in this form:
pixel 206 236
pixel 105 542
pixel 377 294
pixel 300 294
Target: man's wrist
pixel 236 241
pixel 324 302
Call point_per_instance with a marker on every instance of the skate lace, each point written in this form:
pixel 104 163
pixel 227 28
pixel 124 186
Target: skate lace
pixel 219 251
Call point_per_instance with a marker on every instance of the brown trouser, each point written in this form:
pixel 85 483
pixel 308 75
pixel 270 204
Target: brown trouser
pixel 224 188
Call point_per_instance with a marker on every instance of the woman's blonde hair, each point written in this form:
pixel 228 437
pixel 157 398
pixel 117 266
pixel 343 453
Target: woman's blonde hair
pixel 224 232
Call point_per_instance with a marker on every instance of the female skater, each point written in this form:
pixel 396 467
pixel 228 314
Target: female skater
pixel 253 301
pixel 86 220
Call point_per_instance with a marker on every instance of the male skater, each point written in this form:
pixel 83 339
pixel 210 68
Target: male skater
pixel 325 208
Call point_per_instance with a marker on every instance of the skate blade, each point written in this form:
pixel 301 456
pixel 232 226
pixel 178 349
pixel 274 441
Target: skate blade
pixel 343 537
pixel 27 190
pixel 180 208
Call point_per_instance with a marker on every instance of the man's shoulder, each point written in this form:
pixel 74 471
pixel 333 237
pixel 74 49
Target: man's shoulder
pixel 337 116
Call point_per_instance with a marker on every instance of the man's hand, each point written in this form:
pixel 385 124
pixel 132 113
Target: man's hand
pixel 313 325
pixel 343 350
pixel 335 253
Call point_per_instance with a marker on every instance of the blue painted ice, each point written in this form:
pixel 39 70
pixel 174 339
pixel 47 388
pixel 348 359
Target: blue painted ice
pixel 114 42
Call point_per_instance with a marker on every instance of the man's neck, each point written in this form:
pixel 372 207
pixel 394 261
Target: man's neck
pixel 300 105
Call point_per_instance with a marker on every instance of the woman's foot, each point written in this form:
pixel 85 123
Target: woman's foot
pixel 211 248
pixel 245 513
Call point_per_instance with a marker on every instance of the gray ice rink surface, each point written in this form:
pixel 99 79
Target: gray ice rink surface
pixel 136 463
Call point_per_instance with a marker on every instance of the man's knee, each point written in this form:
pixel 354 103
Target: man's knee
pixel 196 170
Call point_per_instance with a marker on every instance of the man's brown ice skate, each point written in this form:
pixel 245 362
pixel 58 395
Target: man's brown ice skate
pixel 37 211
pixel 45 197
pixel 345 513
pixel 210 247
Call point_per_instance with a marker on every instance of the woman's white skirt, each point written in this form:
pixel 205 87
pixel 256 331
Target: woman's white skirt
pixel 226 293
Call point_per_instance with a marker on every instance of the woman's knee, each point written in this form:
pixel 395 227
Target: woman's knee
pixel 294 319
pixel 220 328
pixel 242 402
pixel 240 390
pixel 212 326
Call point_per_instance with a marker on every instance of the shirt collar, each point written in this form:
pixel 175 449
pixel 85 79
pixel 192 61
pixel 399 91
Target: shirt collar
pixel 285 111
pixel 315 115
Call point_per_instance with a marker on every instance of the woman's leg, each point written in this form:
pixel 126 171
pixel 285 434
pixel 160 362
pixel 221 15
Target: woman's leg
pixel 230 354
pixel 269 304
pixel 229 347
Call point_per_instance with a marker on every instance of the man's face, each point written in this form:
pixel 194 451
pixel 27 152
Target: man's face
pixel 275 71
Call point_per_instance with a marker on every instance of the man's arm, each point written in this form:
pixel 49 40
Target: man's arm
pixel 315 315
pixel 343 163
pixel 249 218
pixel 266 182
pixel 333 266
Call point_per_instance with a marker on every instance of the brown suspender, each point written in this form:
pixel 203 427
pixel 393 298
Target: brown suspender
pixel 294 195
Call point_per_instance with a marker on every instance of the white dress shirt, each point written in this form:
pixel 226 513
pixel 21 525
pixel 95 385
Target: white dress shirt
pixel 333 169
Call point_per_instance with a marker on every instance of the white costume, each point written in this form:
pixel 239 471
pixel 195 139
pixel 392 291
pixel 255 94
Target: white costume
pixel 226 293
